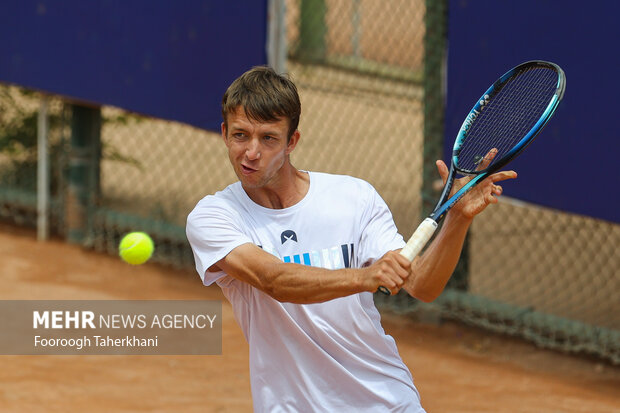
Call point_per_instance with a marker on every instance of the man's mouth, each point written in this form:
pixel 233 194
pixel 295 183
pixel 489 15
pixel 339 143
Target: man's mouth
pixel 246 170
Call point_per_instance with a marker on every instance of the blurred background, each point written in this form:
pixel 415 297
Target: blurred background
pixel 109 119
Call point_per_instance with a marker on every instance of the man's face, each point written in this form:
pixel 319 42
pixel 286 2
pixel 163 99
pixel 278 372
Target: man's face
pixel 257 150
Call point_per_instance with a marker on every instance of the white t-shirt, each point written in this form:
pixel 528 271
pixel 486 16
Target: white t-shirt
pixel 327 357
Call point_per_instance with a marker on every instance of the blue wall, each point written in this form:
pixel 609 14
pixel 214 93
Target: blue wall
pixel 572 165
pixel 162 58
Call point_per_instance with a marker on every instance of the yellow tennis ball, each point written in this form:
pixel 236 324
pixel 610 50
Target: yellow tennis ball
pixel 136 248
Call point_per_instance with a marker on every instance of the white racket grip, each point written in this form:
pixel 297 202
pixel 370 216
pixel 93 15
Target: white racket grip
pixel 418 240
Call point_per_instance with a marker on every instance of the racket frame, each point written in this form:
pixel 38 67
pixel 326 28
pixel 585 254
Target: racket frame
pixel 527 138
pixel 426 229
pixel 444 206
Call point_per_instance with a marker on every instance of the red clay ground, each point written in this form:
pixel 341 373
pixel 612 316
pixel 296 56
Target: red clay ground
pixel 456 369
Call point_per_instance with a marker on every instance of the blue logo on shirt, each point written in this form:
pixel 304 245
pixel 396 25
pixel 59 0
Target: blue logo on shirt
pixel 331 258
pixel 288 235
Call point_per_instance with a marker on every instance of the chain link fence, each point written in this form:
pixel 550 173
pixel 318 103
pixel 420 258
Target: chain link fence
pixel 18 156
pixel 369 74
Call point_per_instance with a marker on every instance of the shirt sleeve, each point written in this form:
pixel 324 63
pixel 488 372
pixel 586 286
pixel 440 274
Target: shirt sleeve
pixel 379 233
pixel 213 230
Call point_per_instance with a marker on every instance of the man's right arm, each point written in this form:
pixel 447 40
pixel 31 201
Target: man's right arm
pixel 302 284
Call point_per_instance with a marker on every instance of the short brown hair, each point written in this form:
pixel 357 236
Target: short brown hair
pixel 265 96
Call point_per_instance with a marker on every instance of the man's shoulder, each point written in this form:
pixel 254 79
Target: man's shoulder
pixel 336 179
pixel 226 199
pixel 343 183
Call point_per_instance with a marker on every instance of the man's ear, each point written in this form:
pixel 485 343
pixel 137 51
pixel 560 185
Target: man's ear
pixel 224 131
pixel 292 142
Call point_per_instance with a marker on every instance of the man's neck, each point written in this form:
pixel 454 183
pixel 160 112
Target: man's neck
pixel 290 188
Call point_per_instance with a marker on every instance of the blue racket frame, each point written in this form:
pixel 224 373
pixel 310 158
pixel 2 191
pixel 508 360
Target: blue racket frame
pixel 492 91
pixel 427 228
pixel 443 207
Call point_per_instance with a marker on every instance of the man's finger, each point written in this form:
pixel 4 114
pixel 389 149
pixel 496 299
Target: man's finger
pixel 443 170
pixel 486 161
pixel 403 261
pixel 502 176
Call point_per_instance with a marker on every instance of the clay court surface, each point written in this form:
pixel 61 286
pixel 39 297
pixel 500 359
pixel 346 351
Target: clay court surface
pixel 456 369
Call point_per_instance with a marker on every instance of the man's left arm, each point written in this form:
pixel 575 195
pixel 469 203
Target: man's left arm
pixel 432 270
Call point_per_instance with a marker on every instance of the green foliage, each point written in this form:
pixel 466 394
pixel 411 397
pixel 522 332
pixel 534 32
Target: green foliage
pixel 18 139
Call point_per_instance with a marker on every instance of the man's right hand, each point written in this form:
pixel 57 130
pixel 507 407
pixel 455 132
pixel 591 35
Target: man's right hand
pixel 390 271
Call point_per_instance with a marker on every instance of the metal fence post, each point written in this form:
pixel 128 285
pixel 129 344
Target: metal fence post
pixel 434 95
pixel 312 31
pixel 43 170
pixel 83 177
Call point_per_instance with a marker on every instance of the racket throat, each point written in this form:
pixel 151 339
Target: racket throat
pixel 437 213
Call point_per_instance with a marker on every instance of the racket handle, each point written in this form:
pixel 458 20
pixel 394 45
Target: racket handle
pixel 418 240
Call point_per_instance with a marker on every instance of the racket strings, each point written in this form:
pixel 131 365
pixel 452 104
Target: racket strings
pixel 508 116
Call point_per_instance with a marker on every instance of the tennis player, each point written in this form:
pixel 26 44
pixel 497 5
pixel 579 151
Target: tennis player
pixel 299 255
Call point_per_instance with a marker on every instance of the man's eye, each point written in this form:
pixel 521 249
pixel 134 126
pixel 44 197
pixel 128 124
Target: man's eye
pixel 239 135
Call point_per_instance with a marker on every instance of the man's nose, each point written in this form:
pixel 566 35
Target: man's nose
pixel 252 151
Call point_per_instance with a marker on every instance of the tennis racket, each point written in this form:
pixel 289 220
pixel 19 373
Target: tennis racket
pixel 507 118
